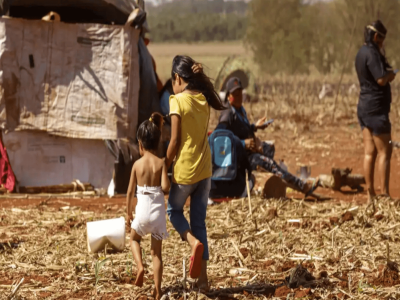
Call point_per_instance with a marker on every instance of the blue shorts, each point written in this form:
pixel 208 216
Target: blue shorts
pixel 379 124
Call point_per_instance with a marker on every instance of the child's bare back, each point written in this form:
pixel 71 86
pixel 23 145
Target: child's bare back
pixel 149 170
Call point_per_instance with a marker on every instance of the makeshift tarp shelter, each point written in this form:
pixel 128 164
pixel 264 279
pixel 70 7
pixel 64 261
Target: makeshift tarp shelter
pixel 84 80
pixel 72 80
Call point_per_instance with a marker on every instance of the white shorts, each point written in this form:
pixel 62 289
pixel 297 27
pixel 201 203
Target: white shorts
pixel 150 213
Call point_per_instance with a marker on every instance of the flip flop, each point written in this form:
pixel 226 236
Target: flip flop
pixel 195 261
pixel 313 187
pixel 204 288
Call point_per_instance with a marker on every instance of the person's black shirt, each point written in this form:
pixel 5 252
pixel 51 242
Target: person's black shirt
pixel 236 121
pixel 370 66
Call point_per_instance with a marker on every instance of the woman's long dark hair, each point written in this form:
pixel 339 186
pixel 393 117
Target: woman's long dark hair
pixel 376 27
pixel 372 29
pixel 182 65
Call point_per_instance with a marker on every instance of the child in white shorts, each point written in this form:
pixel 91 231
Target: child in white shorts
pixel 150 177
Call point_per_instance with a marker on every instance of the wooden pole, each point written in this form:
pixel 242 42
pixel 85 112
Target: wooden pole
pixel 248 192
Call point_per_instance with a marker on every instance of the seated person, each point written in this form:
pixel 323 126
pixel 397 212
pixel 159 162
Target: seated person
pixel 258 153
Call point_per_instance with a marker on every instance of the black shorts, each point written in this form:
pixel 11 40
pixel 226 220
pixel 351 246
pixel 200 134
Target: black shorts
pixel 379 124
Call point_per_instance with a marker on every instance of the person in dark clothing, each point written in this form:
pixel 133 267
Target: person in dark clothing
pixel 4 7
pixel 259 154
pixel 236 188
pixel 375 74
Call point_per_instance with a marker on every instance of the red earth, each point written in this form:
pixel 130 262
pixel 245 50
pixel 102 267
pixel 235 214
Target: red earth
pixel 319 148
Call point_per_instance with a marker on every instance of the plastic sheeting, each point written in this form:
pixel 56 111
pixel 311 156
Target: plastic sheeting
pixel 148 95
pixel 71 80
pixel 39 159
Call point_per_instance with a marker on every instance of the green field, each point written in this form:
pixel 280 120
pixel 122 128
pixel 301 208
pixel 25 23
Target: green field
pixel 211 55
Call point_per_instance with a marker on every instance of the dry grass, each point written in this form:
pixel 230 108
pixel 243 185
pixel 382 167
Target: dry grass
pixel 203 49
pixel 212 55
pixel 292 98
pixel 258 251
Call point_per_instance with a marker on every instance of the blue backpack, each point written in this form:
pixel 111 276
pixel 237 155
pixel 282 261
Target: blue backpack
pixel 223 145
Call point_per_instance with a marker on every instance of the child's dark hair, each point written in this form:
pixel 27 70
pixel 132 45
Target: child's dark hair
pixel 149 132
pixel 182 65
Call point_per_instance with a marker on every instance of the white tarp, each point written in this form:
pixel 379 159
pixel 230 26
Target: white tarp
pixel 39 159
pixel 72 80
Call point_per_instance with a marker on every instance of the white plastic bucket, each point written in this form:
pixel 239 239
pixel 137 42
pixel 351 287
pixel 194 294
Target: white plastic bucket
pixel 111 232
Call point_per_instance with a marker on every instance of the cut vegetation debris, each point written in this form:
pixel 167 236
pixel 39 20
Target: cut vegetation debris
pixel 266 255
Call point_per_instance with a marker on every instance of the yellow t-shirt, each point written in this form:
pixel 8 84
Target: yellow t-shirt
pixel 193 159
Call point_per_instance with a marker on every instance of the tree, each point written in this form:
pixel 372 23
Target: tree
pixel 291 35
pixel 197 20
pixel 363 12
pixel 278 36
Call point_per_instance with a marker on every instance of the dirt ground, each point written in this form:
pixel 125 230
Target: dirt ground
pixel 44 238
pixel 319 148
pixel 325 148
pixel 346 252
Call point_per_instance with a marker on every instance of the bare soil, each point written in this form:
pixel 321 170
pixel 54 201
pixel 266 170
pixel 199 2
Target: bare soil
pixel 50 237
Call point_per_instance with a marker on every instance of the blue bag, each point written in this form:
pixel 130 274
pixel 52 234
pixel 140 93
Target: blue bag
pixel 223 155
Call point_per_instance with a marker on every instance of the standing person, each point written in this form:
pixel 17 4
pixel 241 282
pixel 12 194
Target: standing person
pixel 190 114
pixel 375 74
pixel 258 153
pixel 150 178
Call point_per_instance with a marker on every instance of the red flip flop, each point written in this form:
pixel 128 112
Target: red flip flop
pixel 195 261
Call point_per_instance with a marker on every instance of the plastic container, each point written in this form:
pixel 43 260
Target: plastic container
pixel 304 172
pixel 111 232
pixel 283 165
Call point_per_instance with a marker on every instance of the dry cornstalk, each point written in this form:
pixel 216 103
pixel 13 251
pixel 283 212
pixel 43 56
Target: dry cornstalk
pixel 248 193
pixel 54 246
pixel 15 290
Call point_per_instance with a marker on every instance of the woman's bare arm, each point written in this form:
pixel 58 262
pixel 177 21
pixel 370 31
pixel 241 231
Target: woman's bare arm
pixel 175 140
pixel 389 77
pixel 165 184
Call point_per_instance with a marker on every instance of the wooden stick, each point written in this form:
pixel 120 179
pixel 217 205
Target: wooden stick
pixel 184 279
pixel 248 192
pixel 387 251
pixel 238 251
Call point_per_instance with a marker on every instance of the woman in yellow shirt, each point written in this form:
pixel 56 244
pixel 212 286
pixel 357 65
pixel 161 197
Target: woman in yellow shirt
pixel 190 114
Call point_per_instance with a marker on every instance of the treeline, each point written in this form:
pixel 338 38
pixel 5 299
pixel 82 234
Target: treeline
pixel 292 36
pixel 198 21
